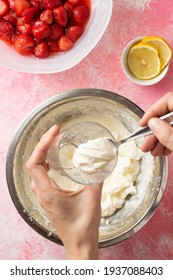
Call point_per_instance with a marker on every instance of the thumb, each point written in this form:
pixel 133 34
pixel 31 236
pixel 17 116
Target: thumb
pixel 163 132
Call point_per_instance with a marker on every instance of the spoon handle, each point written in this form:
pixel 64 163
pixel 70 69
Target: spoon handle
pixel 144 131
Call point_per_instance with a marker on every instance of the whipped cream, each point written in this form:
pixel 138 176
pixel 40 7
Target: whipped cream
pixel 120 183
pixel 94 155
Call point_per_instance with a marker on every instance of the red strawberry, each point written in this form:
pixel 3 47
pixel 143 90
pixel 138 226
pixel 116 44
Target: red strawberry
pixel 65 43
pixel 29 14
pixel 57 32
pixel 47 16
pixel 4 8
pixel 20 6
pixel 52 4
pixel 38 41
pixel 69 9
pixel 73 2
pixel 37 3
pixel 6 30
pixel 41 50
pixel 74 32
pixel 42 26
pixel 41 30
pixel 24 44
pixel 24 28
pixel 81 14
pixel 11 3
pixel 60 16
pixel 53 45
pixel 11 18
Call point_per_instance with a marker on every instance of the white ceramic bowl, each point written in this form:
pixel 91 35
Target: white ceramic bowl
pixel 128 72
pixel 100 17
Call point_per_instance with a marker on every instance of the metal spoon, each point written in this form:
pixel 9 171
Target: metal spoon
pixel 143 131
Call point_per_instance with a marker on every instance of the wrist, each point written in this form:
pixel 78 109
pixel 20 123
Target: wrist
pixel 82 252
pixel 82 248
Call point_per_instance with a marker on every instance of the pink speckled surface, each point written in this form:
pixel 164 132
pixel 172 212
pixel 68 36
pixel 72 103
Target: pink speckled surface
pixel 20 93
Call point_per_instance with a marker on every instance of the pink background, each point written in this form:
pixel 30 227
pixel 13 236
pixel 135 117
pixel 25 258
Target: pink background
pixel 21 92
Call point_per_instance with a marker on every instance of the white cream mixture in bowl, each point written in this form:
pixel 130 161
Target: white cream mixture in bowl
pixel 85 152
pixel 131 192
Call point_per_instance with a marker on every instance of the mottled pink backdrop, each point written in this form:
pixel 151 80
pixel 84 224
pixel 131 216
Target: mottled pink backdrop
pixel 21 92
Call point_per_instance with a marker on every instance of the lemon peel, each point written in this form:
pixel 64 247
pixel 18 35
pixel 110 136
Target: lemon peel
pixel 165 52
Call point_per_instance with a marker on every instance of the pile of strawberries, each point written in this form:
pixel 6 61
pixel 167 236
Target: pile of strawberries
pixel 41 27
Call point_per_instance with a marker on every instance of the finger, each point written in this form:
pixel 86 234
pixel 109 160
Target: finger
pixel 149 143
pixel 36 163
pixel 158 109
pixel 46 166
pixel 158 150
pixel 166 152
pixel 163 131
pixel 39 154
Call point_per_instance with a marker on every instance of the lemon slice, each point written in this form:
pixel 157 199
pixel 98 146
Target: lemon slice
pixel 165 52
pixel 144 62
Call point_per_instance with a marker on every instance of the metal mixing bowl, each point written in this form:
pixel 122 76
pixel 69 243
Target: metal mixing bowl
pixel 72 107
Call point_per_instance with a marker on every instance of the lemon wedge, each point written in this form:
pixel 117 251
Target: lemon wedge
pixel 143 60
pixel 165 52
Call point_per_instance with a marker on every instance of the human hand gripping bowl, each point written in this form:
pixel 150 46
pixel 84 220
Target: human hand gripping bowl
pixel 86 160
pixel 66 210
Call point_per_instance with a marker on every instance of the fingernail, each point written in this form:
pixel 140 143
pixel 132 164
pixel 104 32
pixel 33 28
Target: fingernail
pixel 154 124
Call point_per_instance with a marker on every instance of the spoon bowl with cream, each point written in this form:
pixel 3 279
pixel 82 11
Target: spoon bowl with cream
pixel 86 153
